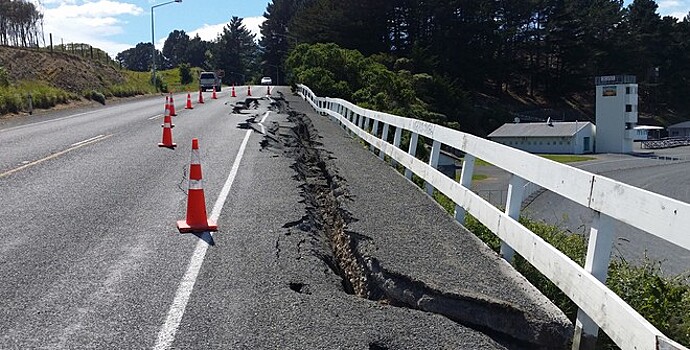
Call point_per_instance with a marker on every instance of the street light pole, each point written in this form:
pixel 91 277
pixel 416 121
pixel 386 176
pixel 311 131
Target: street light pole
pixel 153 42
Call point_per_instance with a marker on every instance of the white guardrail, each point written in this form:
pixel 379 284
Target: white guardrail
pixel 611 200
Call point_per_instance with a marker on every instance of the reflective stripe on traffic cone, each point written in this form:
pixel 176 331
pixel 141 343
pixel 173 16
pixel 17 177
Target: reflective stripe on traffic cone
pixel 172 106
pixel 214 96
pixel 201 96
pixel 189 101
pixel 249 90
pixel 196 220
pixel 167 133
pixel 233 91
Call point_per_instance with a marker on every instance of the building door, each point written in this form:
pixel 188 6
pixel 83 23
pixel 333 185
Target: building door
pixel 586 140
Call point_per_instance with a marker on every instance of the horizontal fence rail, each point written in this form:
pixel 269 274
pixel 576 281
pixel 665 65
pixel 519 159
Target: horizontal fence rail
pixel 610 200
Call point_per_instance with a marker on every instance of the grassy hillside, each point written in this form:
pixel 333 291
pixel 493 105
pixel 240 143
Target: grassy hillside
pixel 62 78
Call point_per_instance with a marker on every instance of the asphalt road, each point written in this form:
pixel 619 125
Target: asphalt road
pixel 90 257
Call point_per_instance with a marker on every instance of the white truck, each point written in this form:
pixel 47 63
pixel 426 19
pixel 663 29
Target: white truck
pixel 209 80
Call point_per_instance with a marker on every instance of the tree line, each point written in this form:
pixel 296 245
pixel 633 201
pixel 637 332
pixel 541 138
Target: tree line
pixel 21 23
pixel 547 49
pixel 550 48
pixel 234 50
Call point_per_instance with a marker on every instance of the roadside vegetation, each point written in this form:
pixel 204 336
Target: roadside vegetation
pixel 566 158
pixel 14 93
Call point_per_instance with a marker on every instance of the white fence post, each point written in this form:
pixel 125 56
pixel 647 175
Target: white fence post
pixel 433 162
pixel 516 190
pixel 466 182
pixel 597 263
pixel 412 151
pixel 374 131
pixel 396 142
pixel 384 137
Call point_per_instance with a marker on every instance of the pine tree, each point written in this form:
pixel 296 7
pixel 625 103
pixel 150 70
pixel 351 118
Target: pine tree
pixel 235 51
pixel 175 48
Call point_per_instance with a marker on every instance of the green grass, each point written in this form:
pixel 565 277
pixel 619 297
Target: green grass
pixel 479 162
pixel 479 177
pixel 566 158
pixel 14 98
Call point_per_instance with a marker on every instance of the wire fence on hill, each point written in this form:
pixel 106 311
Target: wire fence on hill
pixel 77 49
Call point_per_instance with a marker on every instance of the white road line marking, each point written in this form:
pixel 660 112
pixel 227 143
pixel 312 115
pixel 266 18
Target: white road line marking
pixel 166 336
pixel 261 123
pixel 156 116
pixel 47 121
pixel 55 155
pixel 87 140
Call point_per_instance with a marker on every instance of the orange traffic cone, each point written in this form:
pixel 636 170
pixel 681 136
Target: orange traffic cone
pixel 196 220
pixel 201 96
pixel 214 96
pixel 189 101
pixel 172 106
pixel 249 90
pixel 167 105
pixel 268 90
pixel 233 90
pixel 167 133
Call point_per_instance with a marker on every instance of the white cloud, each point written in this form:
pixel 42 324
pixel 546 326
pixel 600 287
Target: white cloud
pixel 210 32
pixel 253 23
pixel 680 15
pixel 669 3
pixel 102 8
pixel 674 8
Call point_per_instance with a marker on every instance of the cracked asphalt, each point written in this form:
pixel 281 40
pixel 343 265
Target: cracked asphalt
pixel 90 257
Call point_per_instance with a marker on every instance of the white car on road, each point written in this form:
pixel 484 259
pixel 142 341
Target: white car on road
pixel 266 81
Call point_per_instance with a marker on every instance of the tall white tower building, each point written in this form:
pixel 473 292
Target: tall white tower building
pixel 616 113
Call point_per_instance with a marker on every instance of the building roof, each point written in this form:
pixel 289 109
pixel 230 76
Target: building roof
pixel 555 129
pixel 648 127
pixel 683 125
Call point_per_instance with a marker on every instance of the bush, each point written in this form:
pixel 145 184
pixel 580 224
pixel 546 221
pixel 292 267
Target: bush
pixel 161 85
pixel 367 81
pixel 4 77
pixel 185 74
pixel 95 96
pixel 665 302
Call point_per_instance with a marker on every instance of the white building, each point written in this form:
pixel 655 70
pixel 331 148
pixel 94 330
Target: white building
pixel 616 113
pixel 647 132
pixel 679 130
pixel 550 138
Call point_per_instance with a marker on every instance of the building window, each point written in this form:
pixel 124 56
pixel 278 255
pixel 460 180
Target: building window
pixel 628 108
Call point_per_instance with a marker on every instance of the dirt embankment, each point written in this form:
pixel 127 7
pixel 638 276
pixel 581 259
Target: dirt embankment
pixel 62 70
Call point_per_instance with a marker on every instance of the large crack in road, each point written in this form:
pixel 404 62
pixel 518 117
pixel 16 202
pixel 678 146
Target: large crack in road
pixel 326 223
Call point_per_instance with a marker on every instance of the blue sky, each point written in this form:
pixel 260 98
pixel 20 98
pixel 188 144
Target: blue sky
pixel 116 25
